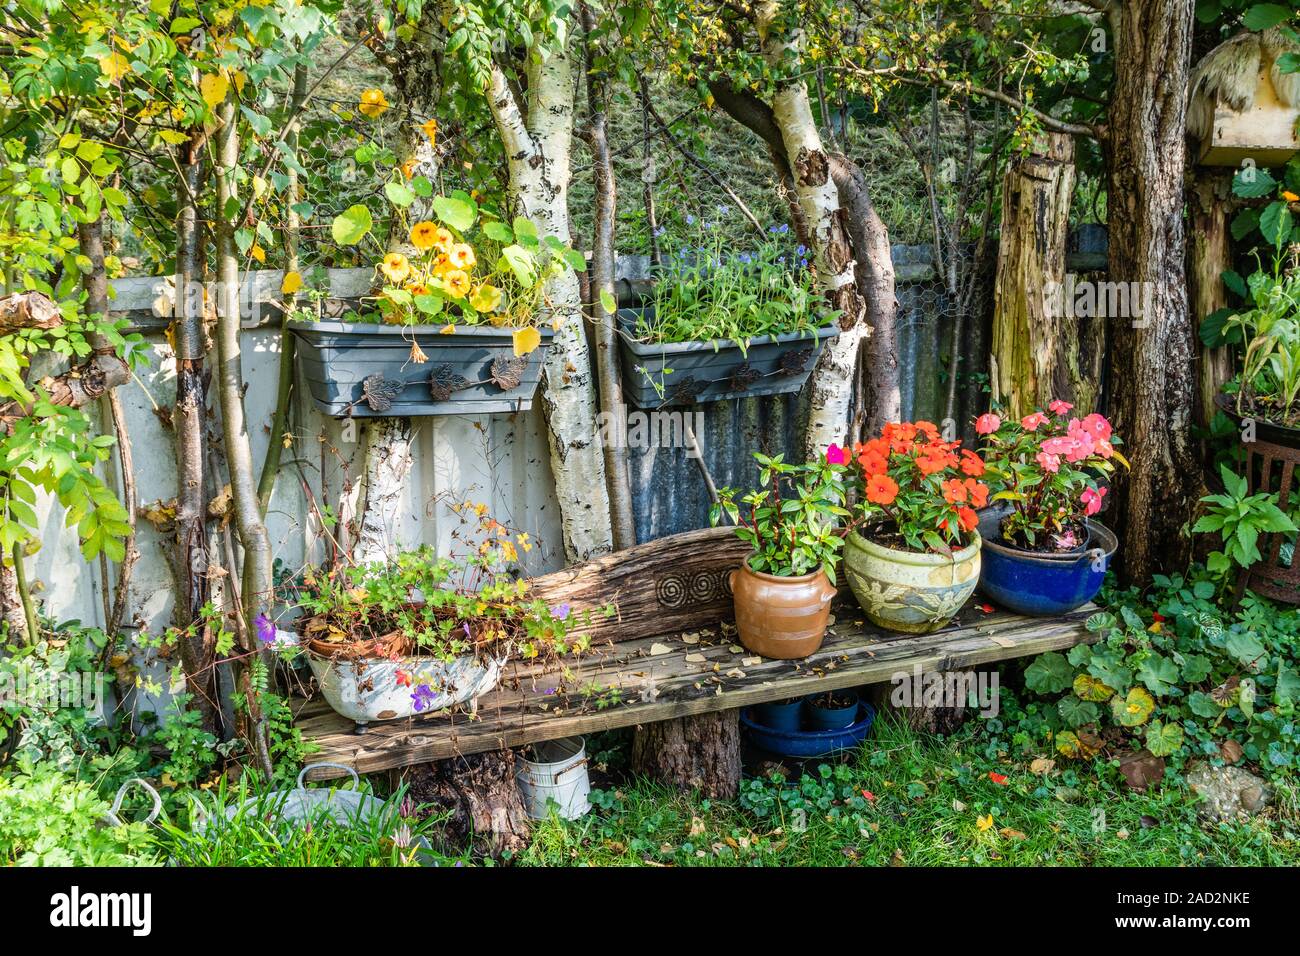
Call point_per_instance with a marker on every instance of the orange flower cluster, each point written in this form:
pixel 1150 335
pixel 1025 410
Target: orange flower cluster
pixel 912 456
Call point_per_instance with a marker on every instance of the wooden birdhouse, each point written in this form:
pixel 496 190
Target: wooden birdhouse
pixel 1242 106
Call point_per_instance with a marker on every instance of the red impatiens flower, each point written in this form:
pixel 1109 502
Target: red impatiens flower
pixel 967 518
pixel 881 490
pixel 868 795
pixel 954 492
pixel 971 463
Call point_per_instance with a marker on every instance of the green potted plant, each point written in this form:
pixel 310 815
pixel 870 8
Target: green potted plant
pixel 916 559
pixel 457 325
pixel 721 325
pixel 422 633
pixel 783 590
pixel 1044 550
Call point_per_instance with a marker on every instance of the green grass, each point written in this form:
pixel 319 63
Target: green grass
pixel 930 794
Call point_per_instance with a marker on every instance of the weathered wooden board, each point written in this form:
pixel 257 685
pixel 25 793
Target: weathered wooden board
pixel 658 678
pixel 680 582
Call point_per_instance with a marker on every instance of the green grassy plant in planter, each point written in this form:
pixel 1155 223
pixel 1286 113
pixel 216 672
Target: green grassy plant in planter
pixel 916 559
pixel 458 326
pixel 423 633
pixel 723 325
pixel 1045 552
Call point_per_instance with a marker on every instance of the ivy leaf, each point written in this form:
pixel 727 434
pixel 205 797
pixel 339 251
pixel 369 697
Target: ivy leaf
pixel 1050 673
pixel 351 225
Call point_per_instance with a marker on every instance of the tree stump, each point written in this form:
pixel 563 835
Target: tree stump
pixel 909 704
pixel 487 810
pixel 692 753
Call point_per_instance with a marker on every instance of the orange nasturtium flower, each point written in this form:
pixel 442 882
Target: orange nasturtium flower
pixel 462 255
pixel 430 129
pixel 456 282
pixel 1290 196
pixel 395 267
pixel 373 103
pixel 424 235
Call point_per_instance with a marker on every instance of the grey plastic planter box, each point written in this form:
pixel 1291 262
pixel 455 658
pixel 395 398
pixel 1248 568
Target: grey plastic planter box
pixel 471 371
pixel 714 370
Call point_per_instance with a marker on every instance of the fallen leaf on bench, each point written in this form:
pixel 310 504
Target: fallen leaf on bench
pixel 736 649
pixel 690 638
pixel 657 649
pixel 735 672
pixel 751 661
pixel 830 619
pixel 1002 641
pixel 695 658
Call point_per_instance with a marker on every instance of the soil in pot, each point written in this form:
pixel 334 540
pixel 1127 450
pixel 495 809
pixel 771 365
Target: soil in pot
pixel 833 710
pixel 780 714
pixel 1051 543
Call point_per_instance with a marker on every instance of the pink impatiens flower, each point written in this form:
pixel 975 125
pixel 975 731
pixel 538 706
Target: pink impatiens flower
pixel 1049 462
pixel 1097 426
pixel 1091 500
pixel 1031 422
pixel 836 455
pixel 987 423
pixel 1059 407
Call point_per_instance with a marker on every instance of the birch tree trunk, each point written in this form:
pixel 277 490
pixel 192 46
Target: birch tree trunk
pixel 414 65
pixel 833 378
pixel 256 578
pixel 189 421
pixel 1151 359
pixel 1035 340
pixel 537 132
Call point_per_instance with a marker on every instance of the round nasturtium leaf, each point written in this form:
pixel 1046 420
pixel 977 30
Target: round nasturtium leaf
pixel 351 225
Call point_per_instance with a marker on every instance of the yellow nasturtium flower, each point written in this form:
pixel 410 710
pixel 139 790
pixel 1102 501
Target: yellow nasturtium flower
pixel 373 103
pixel 456 282
pixel 486 298
pixel 462 255
pixel 424 235
pixel 395 267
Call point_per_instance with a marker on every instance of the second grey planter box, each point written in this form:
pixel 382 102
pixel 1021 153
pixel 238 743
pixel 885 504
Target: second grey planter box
pixel 691 372
pixel 362 369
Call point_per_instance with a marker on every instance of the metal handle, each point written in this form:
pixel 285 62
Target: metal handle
pixel 112 815
pixel 356 780
pixel 555 777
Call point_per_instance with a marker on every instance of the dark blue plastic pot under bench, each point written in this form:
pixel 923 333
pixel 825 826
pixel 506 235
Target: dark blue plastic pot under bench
pixel 468 372
pixel 826 718
pixel 780 715
pixel 1043 584
pixel 807 743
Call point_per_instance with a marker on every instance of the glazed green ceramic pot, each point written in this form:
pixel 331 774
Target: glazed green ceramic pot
pixel 906 591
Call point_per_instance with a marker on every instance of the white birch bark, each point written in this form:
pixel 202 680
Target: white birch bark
pixel 537 136
pixel 832 379
pixel 388 468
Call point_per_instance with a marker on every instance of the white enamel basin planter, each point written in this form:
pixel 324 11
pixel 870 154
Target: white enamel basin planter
pixel 371 689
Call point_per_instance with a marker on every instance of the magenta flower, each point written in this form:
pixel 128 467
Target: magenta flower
pixel 1091 500
pixel 836 455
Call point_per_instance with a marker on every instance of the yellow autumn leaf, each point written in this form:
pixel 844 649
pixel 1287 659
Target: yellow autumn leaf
pixel 172 137
pixel 373 103
pixel 258 253
pixel 526 340
pixel 984 823
pixel 214 88
pixel 291 284
pixel 114 66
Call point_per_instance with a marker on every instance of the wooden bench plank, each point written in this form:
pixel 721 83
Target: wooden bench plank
pixel 664 677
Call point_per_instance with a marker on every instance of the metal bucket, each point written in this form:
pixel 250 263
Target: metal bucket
pixel 558 771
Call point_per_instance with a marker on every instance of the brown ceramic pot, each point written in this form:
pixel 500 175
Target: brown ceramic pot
pixel 781 617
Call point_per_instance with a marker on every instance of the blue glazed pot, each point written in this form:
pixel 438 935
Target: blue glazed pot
pixel 828 718
pixel 1043 584
pixel 780 715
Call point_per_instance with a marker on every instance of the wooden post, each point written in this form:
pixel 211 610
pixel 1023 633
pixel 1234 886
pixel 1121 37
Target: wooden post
pixel 487 810
pixel 1035 341
pixel 1208 255
pixel 699 753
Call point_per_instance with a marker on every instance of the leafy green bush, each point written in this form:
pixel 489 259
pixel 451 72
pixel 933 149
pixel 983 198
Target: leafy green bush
pixel 48 818
pixel 1178 674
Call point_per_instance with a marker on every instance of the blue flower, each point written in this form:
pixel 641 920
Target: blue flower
pixel 265 629
pixel 801 249
pixel 561 611
pixel 690 219
pixel 422 698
